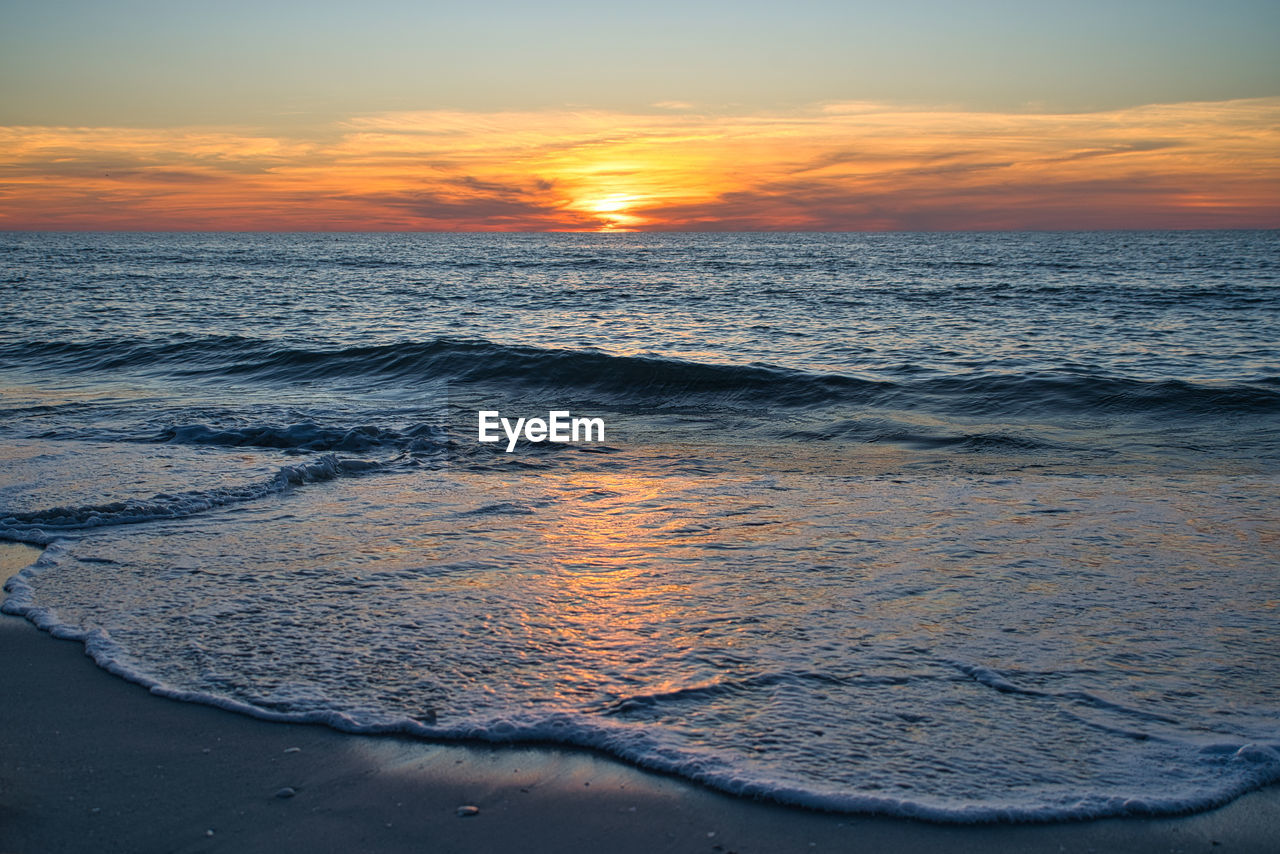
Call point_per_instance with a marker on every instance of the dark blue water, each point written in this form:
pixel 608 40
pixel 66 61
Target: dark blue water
pixel 960 525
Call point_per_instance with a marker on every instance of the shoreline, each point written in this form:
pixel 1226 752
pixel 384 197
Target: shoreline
pixel 92 762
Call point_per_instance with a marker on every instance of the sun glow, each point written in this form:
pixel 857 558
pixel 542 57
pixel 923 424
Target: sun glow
pixel 616 203
pixel 847 166
pixel 613 211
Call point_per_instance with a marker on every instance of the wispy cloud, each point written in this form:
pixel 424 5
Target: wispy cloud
pixel 833 167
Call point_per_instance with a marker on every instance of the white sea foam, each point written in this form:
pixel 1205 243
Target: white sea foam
pixel 884 687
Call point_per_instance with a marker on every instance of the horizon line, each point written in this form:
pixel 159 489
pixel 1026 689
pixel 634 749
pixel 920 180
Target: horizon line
pixel 480 231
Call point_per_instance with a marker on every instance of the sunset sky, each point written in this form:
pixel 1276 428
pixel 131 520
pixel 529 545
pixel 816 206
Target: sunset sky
pixel 657 116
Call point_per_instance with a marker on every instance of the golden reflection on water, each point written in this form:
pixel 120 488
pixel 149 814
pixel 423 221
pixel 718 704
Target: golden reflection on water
pixel 612 521
pixel 610 593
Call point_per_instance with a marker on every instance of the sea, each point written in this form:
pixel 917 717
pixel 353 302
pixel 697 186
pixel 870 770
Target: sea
pixel 968 526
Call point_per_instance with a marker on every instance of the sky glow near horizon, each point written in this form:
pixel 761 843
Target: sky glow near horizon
pixel 573 116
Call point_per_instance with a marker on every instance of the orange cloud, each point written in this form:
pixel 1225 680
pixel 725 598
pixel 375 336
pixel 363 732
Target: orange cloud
pixel 835 167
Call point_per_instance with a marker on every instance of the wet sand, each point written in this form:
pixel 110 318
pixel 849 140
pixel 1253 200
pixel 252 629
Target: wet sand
pixel 89 762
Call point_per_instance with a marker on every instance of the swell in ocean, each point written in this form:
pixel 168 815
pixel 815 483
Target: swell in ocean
pixel 1071 417
pixel 642 380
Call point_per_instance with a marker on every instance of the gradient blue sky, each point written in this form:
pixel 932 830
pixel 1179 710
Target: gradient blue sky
pixel 263 63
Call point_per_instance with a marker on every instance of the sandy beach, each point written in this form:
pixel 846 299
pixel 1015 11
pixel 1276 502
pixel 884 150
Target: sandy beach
pixel 92 763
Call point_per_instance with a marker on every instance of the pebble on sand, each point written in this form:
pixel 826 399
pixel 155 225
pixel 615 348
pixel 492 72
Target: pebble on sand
pixel 468 810
pixel 287 792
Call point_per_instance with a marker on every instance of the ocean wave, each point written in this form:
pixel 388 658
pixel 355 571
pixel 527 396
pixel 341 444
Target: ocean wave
pixel 642 381
pixel 41 527
pixel 304 436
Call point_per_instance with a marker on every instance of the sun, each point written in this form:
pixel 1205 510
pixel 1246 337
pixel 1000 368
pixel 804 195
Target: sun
pixel 615 203
pixel 613 211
